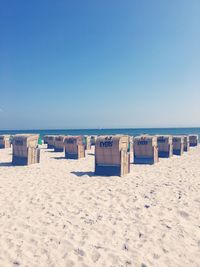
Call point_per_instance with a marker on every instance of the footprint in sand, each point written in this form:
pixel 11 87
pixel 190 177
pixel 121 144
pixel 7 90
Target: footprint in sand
pixel 184 214
pixel 79 252
pixel 95 256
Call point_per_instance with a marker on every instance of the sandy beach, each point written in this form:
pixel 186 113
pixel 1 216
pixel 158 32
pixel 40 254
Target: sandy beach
pixel 57 213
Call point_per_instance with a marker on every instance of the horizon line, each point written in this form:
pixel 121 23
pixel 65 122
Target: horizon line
pixel 99 129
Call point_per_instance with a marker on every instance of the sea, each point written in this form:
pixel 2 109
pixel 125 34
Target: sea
pixel 128 131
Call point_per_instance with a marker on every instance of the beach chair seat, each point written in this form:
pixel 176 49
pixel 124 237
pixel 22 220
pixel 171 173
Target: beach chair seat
pixel 59 143
pixel 145 150
pixel 112 157
pixel 25 149
pixel 50 141
pixel 193 140
pixel 74 147
pixel 5 141
pixel 165 146
pixel 178 145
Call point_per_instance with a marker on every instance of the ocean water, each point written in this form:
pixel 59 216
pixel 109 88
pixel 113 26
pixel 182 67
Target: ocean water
pixel 131 131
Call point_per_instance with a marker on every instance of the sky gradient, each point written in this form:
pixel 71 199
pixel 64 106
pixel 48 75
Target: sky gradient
pixel 99 63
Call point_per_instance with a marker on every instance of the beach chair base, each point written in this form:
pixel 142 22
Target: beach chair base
pixel 193 145
pixel 149 161
pixel 178 152
pixel 107 170
pixel 58 149
pixel 71 156
pixel 50 146
pixel 164 154
pixel 19 161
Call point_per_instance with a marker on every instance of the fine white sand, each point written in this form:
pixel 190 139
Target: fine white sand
pixel 57 213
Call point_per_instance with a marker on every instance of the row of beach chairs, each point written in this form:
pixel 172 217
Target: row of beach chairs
pixel 112 153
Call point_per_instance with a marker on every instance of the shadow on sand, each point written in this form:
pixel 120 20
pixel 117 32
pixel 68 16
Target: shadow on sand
pixel 58 158
pixel 79 174
pixel 91 154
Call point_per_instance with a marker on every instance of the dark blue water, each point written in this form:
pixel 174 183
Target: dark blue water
pixel 132 132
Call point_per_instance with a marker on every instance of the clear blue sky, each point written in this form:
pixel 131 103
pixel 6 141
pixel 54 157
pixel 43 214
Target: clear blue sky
pixel 99 63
